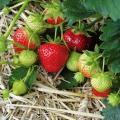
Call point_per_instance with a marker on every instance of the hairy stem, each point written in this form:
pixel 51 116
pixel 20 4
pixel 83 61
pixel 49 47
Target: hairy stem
pixel 15 19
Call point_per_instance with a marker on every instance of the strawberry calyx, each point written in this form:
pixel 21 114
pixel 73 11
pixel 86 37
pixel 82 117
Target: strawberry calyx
pixel 91 59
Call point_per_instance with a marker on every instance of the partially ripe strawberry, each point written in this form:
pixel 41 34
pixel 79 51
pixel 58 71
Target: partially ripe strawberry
pixel 27 58
pixel 53 56
pixel 100 94
pixel 73 61
pixel 87 64
pixel 25 39
pixel 114 99
pixel 79 77
pixel 102 81
pixel 19 87
pixel 77 41
pixel 35 23
pixel 55 21
pixel 53 12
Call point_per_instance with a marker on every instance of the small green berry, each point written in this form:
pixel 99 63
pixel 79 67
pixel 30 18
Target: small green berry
pixel 27 58
pixel 5 94
pixel 113 99
pixel 73 61
pixel 16 60
pixel 79 77
pixel 19 87
pixel 6 10
pixel 36 23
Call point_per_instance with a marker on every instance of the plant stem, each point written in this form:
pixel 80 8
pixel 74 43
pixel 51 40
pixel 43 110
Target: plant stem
pixel 15 19
pixel 30 70
pixel 62 39
pixel 103 65
pixel 4 62
pixel 56 27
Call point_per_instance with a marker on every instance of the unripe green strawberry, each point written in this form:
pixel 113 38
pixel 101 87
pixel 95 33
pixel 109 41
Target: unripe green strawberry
pixel 19 87
pixel 5 94
pixel 16 60
pixel 79 77
pixel 73 61
pixel 3 45
pixel 35 23
pixel 102 81
pixel 27 58
pixel 114 99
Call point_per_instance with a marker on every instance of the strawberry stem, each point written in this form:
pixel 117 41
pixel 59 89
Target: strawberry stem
pixel 30 70
pixel 103 65
pixel 4 62
pixel 15 19
pixel 118 92
pixel 56 27
pixel 62 39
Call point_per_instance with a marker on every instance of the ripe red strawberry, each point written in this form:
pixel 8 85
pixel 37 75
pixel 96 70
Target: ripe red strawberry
pixel 54 21
pixel 100 94
pixel 87 64
pixel 53 56
pixel 77 41
pixel 24 39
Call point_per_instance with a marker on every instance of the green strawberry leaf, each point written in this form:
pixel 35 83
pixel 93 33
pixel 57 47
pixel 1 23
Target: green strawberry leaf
pixel 111 43
pixel 69 82
pixel 31 78
pixel 111 113
pixel 74 10
pixel 17 74
pixel 3 3
pixel 107 8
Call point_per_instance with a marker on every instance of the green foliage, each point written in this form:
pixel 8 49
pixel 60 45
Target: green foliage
pixel 22 73
pixel 107 8
pixel 111 113
pixel 111 43
pixel 69 82
pixel 17 74
pixel 31 78
pixel 74 10
pixel 3 3
pixel 82 9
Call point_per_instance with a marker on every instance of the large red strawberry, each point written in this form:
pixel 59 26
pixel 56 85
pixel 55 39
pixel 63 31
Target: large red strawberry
pixel 25 39
pixel 77 41
pixel 53 12
pixel 100 94
pixel 53 56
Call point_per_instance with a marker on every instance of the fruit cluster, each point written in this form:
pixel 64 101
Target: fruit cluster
pixel 71 49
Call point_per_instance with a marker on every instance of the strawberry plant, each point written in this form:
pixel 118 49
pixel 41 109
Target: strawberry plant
pixel 57 39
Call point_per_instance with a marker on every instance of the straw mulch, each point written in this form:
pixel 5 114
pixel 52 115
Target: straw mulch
pixel 44 101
